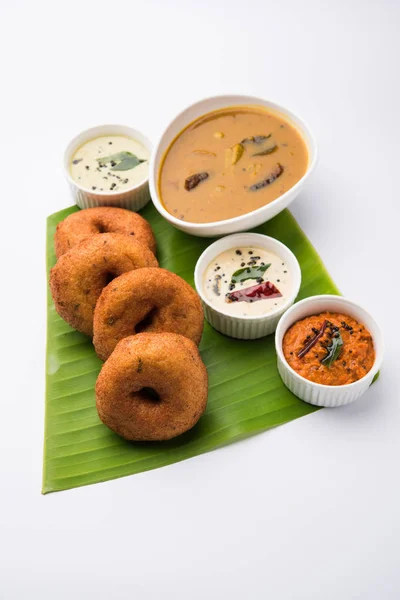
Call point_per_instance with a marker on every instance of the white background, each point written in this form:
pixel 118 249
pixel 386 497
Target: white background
pixel 309 510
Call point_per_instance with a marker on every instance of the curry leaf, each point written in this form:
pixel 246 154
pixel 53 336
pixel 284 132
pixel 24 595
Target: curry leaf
pixel 256 139
pixel 266 151
pixel 121 161
pixel 249 273
pixel 333 350
pixel 269 145
pixel 115 157
pixel 127 163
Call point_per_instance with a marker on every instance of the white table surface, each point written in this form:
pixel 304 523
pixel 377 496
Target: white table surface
pixel 309 510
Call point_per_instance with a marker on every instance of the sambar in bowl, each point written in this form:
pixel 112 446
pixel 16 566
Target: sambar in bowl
pixel 230 163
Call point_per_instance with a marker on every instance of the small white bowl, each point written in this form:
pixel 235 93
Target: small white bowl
pixel 133 198
pixel 246 327
pixel 316 393
pixel 249 220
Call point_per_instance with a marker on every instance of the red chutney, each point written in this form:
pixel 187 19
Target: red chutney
pixel 352 359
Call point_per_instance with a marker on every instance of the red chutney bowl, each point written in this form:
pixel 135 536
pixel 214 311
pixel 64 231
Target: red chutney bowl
pixel 317 393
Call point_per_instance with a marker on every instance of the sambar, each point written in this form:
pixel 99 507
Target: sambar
pixel 230 162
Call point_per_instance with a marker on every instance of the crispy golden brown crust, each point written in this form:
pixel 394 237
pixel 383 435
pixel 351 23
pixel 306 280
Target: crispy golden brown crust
pixel 150 300
pixel 106 219
pixel 79 276
pixel 166 363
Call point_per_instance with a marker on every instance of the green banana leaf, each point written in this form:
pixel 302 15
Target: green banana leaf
pixel 246 394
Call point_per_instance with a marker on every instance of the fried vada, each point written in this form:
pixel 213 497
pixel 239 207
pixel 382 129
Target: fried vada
pixel 106 219
pixel 79 276
pixel 148 300
pixel 154 386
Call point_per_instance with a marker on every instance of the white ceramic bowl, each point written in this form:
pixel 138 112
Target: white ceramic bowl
pixel 133 198
pixel 246 327
pixel 315 393
pixel 243 222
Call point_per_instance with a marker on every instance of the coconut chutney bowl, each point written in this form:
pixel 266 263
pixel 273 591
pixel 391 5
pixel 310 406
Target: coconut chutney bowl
pixel 260 158
pixel 107 165
pixel 246 281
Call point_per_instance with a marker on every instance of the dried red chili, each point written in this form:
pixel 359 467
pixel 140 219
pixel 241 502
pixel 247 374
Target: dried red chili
pixel 273 176
pixel 253 293
pixel 313 340
pixel 194 180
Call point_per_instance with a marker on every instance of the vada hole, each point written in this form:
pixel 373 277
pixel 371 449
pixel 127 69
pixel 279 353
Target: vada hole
pixel 147 394
pixel 101 228
pixel 147 321
pixel 108 277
